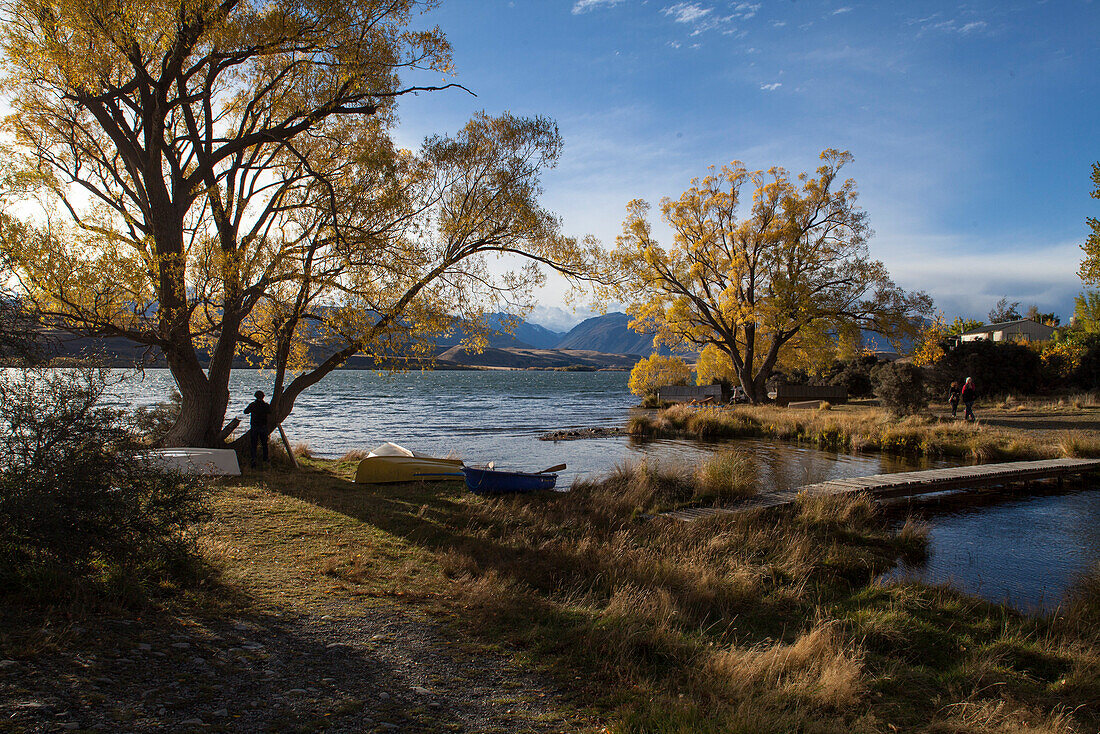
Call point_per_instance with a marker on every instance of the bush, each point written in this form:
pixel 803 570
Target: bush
pixel 78 502
pixel 152 424
pixel 854 375
pixel 900 387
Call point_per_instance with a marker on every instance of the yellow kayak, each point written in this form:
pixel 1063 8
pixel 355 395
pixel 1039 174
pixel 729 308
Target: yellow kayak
pixel 392 463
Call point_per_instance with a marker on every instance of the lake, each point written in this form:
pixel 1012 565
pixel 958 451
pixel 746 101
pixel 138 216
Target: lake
pixel 1024 551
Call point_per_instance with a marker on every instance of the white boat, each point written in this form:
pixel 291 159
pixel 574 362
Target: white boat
pixel 392 463
pixel 188 460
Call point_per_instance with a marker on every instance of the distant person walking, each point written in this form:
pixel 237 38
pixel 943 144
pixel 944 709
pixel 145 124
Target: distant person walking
pixel 968 395
pixel 257 432
pixel 953 398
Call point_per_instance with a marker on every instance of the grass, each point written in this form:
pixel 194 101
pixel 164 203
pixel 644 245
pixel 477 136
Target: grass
pixel 756 623
pixel 1002 434
pixel 761 622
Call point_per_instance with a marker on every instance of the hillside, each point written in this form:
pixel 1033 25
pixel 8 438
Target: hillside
pixel 607 333
pixel 521 358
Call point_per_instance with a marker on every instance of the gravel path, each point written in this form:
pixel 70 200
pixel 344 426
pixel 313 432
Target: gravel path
pixel 341 668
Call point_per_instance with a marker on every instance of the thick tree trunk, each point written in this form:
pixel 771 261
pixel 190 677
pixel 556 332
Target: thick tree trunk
pixel 195 424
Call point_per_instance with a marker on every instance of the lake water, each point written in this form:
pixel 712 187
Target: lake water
pixel 1024 551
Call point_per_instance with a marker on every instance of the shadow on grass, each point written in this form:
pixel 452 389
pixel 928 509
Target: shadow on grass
pixel 768 621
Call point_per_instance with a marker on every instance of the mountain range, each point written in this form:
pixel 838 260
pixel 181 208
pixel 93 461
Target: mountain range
pixel 609 334
pixel 596 343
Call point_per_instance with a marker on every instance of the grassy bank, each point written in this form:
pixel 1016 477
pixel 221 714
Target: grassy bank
pixel 765 622
pixel 1005 431
pixel 757 623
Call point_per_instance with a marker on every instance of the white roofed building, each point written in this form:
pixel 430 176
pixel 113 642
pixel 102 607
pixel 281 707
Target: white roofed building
pixel 1023 330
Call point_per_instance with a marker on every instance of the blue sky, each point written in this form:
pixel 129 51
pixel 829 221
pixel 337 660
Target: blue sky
pixel 973 126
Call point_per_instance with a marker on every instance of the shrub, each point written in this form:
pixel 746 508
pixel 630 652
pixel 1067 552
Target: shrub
pixel 78 502
pixel 854 375
pixel 152 424
pixel 900 387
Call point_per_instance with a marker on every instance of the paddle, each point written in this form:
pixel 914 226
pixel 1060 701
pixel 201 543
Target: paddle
pixel 557 467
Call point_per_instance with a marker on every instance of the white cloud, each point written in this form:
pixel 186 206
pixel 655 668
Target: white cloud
pixel 937 22
pixel 585 6
pixel 838 11
pixel 771 87
pixel 962 282
pixel 685 12
pixel 975 26
pixel 561 319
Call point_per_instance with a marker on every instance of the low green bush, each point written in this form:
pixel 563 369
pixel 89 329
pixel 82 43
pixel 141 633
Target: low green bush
pixel 79 502
pixel 900 388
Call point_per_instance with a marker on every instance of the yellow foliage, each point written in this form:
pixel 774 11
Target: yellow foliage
pixel 221 177
pixel 929 349
pixel 774 287
pixel 657 371
pixel 1061 358
pixel 713 366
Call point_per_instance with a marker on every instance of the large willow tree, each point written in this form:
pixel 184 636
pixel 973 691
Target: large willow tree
pixel 784 281
pixel 223 181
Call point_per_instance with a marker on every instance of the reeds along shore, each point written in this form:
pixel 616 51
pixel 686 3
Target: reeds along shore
pixel 866 429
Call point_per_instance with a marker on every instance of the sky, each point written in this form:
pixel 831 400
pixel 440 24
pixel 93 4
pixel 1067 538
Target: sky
pixel 973 125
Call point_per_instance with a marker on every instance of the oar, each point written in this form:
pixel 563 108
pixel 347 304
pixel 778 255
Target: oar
pixel 551 470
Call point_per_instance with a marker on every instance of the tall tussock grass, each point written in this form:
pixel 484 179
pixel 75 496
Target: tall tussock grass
pixel 726 475
pixel 868 429
pixel 761 621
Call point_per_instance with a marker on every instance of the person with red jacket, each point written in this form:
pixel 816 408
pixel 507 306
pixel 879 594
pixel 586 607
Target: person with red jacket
pixel 969 395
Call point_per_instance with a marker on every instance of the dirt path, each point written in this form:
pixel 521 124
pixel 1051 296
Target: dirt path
pixel 311 629
pixel 383 669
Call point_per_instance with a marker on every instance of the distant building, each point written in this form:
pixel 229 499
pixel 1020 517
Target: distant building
pixel 1024 330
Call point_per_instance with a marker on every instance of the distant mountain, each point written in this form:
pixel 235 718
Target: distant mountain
pixel 527 333
pixel 517 358
pixel 608 333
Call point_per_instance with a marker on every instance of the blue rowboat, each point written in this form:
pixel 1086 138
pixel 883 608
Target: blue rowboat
pixel 493 481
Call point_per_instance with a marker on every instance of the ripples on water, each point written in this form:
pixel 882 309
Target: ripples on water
pixel 1025 551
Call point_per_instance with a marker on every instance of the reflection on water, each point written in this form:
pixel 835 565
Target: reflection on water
pixel 1025 551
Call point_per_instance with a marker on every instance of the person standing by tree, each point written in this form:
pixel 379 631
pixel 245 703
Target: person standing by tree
pixel 258 430
pixel 968 395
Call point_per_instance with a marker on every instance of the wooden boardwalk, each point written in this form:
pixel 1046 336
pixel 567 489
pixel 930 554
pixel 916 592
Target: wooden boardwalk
pixel 908 484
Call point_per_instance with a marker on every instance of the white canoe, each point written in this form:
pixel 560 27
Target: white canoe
pixel 208 462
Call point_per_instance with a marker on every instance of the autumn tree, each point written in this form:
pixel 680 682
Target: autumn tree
pixel 794 271
pixel 1086 311
pixel 1090 266
pixel 961 326
pixel 656 371
pixel 224 182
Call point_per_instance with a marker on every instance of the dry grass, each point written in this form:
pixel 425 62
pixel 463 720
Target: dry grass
pixel 726 475
pixel 761 622
pixel 860 428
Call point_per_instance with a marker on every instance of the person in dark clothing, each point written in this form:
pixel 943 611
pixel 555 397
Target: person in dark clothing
pixel 968 395
pixel 953 398
pixel 258 430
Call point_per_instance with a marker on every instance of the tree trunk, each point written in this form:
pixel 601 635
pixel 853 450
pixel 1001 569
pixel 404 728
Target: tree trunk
pixel 194 425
